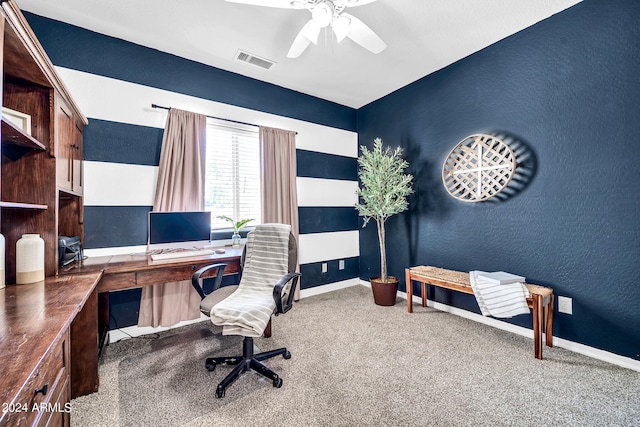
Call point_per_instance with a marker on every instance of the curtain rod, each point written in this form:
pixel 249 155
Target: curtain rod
pixel 212 117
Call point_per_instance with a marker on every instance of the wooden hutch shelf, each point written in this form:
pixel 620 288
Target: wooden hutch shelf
pixel 13 135
pixel 15 205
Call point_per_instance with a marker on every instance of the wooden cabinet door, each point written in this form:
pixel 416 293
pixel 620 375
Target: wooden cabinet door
pixel 63 147
pixel 77 170
pixel 68 143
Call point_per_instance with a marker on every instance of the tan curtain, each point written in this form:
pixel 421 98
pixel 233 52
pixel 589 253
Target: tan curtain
pixel 180 187
pixel 278 179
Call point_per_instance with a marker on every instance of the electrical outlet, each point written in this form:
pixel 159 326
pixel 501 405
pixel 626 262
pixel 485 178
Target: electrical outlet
pixel 565 305
pixel 341 264
pixel 324 267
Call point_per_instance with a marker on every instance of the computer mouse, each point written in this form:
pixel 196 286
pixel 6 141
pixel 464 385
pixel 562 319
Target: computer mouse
pixel 220 251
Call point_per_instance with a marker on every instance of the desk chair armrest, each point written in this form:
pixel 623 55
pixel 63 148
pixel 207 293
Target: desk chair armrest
pixel 282 305
pixel 195 279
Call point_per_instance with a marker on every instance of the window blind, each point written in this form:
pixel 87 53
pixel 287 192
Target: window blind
pixel 232 182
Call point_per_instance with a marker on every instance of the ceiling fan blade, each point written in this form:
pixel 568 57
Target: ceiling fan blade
pixel 285 4
pixel 311 31
pixel 307 35
pixel 364 35
pixel 341 27
pixel 298 46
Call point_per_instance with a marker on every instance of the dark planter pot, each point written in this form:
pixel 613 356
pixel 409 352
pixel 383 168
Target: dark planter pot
pixel 384 293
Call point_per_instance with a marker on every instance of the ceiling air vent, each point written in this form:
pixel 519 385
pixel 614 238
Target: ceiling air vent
pixel 254 60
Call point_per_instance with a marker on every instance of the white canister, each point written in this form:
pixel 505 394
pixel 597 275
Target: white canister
pixel 29 259
pixel 2 253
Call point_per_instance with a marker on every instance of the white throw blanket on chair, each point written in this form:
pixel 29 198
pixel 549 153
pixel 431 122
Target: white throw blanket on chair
pixel 247 311
pixel 506 300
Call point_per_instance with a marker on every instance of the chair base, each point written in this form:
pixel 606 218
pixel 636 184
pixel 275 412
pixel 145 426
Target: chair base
pixel 243 363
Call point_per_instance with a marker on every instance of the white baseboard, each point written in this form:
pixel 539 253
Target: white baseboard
pixel 317 290
pixel 615 359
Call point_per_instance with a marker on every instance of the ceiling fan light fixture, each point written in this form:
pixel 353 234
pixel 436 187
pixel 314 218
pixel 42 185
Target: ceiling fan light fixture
pixel 326 13
pixel 341 27
pixel 322 14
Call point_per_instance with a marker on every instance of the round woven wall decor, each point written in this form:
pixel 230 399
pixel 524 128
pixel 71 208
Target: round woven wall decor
pixel 478 168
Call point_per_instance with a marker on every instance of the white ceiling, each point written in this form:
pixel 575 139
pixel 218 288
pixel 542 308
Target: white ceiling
pixel 422 36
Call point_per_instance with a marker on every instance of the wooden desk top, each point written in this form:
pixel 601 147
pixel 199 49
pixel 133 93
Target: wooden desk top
pixel 127 263
pixel 33 318
pixel 137 270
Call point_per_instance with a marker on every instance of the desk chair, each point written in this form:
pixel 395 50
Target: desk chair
pixel 266 288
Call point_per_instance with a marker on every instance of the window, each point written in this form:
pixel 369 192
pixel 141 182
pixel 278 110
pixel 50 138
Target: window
pixel 232 182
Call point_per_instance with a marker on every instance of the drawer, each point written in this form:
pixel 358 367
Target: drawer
pixel 59 410
pixel 178 273
pixel 30 406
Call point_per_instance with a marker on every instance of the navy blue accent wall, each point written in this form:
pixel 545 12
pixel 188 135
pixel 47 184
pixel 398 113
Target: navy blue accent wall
pixel 568 87
pixel 107 141
pixel 312 274
pixel 327 219
pixel 112 226
pixel 79 49
pixel 322 165
pixel 124 307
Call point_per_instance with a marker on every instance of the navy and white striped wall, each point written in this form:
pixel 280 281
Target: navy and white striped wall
pixel 122 146
pixel 123 139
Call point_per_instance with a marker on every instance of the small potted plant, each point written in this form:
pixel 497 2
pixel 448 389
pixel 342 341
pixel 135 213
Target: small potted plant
pixel 383 192
pixel 237 226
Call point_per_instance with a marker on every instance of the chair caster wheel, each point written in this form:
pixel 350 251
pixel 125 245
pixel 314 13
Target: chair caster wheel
pixel 277 382
pixel 220 393
pixel 287 355
pixel 210 365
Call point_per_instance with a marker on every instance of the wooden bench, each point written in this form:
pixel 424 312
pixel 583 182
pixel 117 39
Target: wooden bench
pixel 540 301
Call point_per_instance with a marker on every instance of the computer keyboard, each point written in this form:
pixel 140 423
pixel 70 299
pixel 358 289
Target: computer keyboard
pixel 182 254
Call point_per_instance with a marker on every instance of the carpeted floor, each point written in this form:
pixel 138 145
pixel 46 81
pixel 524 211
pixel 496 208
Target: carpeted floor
pixel 173 369
pixel 355 363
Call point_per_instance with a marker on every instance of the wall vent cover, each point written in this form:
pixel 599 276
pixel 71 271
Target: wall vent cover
pixel 254 60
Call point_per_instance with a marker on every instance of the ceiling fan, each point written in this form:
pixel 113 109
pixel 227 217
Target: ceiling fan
pixel 326 13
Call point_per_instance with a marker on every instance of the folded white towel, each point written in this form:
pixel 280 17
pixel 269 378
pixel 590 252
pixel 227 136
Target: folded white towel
pixel 497 300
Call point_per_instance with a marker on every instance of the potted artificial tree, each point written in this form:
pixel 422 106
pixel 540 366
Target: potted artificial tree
pixel 383 192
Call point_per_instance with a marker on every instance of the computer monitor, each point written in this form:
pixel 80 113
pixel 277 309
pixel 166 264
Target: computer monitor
pixel 179 229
